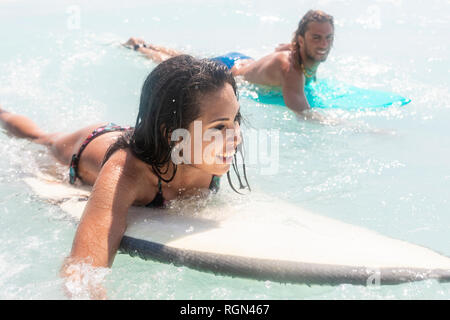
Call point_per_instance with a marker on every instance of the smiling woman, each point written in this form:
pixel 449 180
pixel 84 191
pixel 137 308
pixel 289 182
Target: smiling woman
pixel 135 168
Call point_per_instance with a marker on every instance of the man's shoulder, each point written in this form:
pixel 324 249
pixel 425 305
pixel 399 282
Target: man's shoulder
pixel 282 62
pixel 281 58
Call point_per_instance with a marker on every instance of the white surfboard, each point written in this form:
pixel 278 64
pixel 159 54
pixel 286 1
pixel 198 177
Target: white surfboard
pixel 310 249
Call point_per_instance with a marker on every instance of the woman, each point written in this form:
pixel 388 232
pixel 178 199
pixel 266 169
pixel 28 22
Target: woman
pixel 129 166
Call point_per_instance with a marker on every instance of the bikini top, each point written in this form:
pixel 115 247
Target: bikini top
pixel 159 200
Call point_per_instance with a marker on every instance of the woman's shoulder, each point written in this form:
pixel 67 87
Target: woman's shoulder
pixel 132 174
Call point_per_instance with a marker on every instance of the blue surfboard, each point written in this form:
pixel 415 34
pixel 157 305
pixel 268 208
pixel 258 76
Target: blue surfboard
pixel 334 94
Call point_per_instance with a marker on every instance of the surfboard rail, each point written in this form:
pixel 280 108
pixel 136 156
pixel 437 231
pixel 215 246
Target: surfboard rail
pixel 331 94
pixel 318 250
pixel 276 270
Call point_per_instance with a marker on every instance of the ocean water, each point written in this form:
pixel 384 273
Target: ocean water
pixel 388 170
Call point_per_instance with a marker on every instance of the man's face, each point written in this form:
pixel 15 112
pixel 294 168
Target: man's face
pixel 317 41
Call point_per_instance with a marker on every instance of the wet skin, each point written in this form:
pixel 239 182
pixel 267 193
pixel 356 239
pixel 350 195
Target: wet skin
pixel 278 69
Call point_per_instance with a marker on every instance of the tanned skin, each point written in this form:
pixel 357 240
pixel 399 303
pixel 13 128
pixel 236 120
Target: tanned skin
pixel 275 69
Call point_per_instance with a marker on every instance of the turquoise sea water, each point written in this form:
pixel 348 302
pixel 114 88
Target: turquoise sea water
pixel 387 170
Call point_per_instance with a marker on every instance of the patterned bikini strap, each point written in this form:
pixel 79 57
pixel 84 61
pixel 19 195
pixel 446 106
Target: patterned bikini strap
pixel 73 167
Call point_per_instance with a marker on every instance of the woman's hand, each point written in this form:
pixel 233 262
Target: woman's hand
pixel 83 281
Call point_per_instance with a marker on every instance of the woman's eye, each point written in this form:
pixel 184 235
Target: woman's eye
pixel 219 127
pixel 238 117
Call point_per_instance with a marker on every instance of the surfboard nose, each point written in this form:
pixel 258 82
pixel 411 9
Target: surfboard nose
pixel 398 276
pixel 442 276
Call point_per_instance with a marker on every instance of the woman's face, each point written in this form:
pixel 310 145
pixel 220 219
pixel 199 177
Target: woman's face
pixel 215 135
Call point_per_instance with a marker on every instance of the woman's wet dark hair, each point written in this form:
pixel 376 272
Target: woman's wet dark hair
pixel 169 101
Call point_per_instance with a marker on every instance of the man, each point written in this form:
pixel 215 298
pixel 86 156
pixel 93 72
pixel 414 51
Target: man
pixel 290 66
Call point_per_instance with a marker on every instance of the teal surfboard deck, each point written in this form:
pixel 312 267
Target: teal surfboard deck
pixel 334 94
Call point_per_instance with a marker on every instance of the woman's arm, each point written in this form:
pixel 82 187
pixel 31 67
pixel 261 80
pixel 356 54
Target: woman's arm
pixel 103 223
pixel 104 219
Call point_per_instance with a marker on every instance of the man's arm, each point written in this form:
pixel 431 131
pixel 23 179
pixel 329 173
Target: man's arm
pixel 293 91
pixel 153 52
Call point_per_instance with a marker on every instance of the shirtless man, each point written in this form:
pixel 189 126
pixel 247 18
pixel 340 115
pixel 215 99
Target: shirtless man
pixel 290 66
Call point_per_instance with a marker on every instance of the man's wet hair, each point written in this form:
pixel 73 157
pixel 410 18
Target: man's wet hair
pixel 310 16
pixel 170 100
